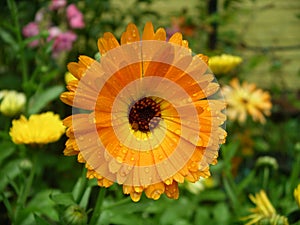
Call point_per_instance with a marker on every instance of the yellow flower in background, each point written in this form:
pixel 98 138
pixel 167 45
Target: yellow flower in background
pixel 224 63
pixel 12 103
pixel 245 99
pixel 154 114
pixel 38 129
pixel 264 212
pixel 297 195
pixel 69 77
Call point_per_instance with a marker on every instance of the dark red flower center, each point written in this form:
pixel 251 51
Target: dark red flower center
pixel 144 115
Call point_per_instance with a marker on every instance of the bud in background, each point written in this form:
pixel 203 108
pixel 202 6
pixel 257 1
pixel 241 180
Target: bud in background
pixel 12 103
pixel 267 161
pixel 75 215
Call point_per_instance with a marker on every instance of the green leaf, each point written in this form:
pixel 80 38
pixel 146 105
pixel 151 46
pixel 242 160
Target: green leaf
pixel 109 217
pixel 229 150
pixel 7 149
pixel 9 172
pixel 221 213
pixel 40 221
pixel 202 216
pixel 41 204
pixel 41 99
pixel 85 198
pixel 175 212
pixel 212 195
pixel 8 38
pixel 63 199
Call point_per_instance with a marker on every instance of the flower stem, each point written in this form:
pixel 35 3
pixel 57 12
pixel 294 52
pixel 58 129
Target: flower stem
pixel 97 209
pixel 82 186
pixel 14 13
pixel 265 181
pixel 231 190
pixel 25 190
pixel 294 178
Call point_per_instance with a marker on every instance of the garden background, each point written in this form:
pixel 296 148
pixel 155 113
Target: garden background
pixel 39 185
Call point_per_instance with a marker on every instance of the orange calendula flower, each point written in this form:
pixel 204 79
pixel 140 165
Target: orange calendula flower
pixel 154 117
pixel 243 99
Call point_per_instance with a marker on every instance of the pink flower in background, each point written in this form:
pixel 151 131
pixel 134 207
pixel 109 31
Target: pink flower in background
pixel 63 42
pixel 53 33
pixel 39 16
pixel 75 17
pixel 56 4
pixel 31 30
pixel 61 38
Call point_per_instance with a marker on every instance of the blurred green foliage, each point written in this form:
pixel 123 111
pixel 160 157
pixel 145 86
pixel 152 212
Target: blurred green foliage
pixel 58 184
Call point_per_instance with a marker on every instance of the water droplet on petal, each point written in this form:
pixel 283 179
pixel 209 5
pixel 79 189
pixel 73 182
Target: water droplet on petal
pixel 92 119
pixel 138 189
pixel 168 181
pixel 146 170
pixel 80 138
pixel 122 174
pixel 119 159
pixel 178 131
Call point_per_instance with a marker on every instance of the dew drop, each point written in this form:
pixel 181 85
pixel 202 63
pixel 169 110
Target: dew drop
pixel 175 139
pixel 92 119
pixel 168 182
pixel 200 142
pixel 99 143
pixel 146 170
pixel 178 131
pixel 132 158
pixel 193 139
pixel 122 174
pixel 138 189
pixel 80 138
pixel 119 159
